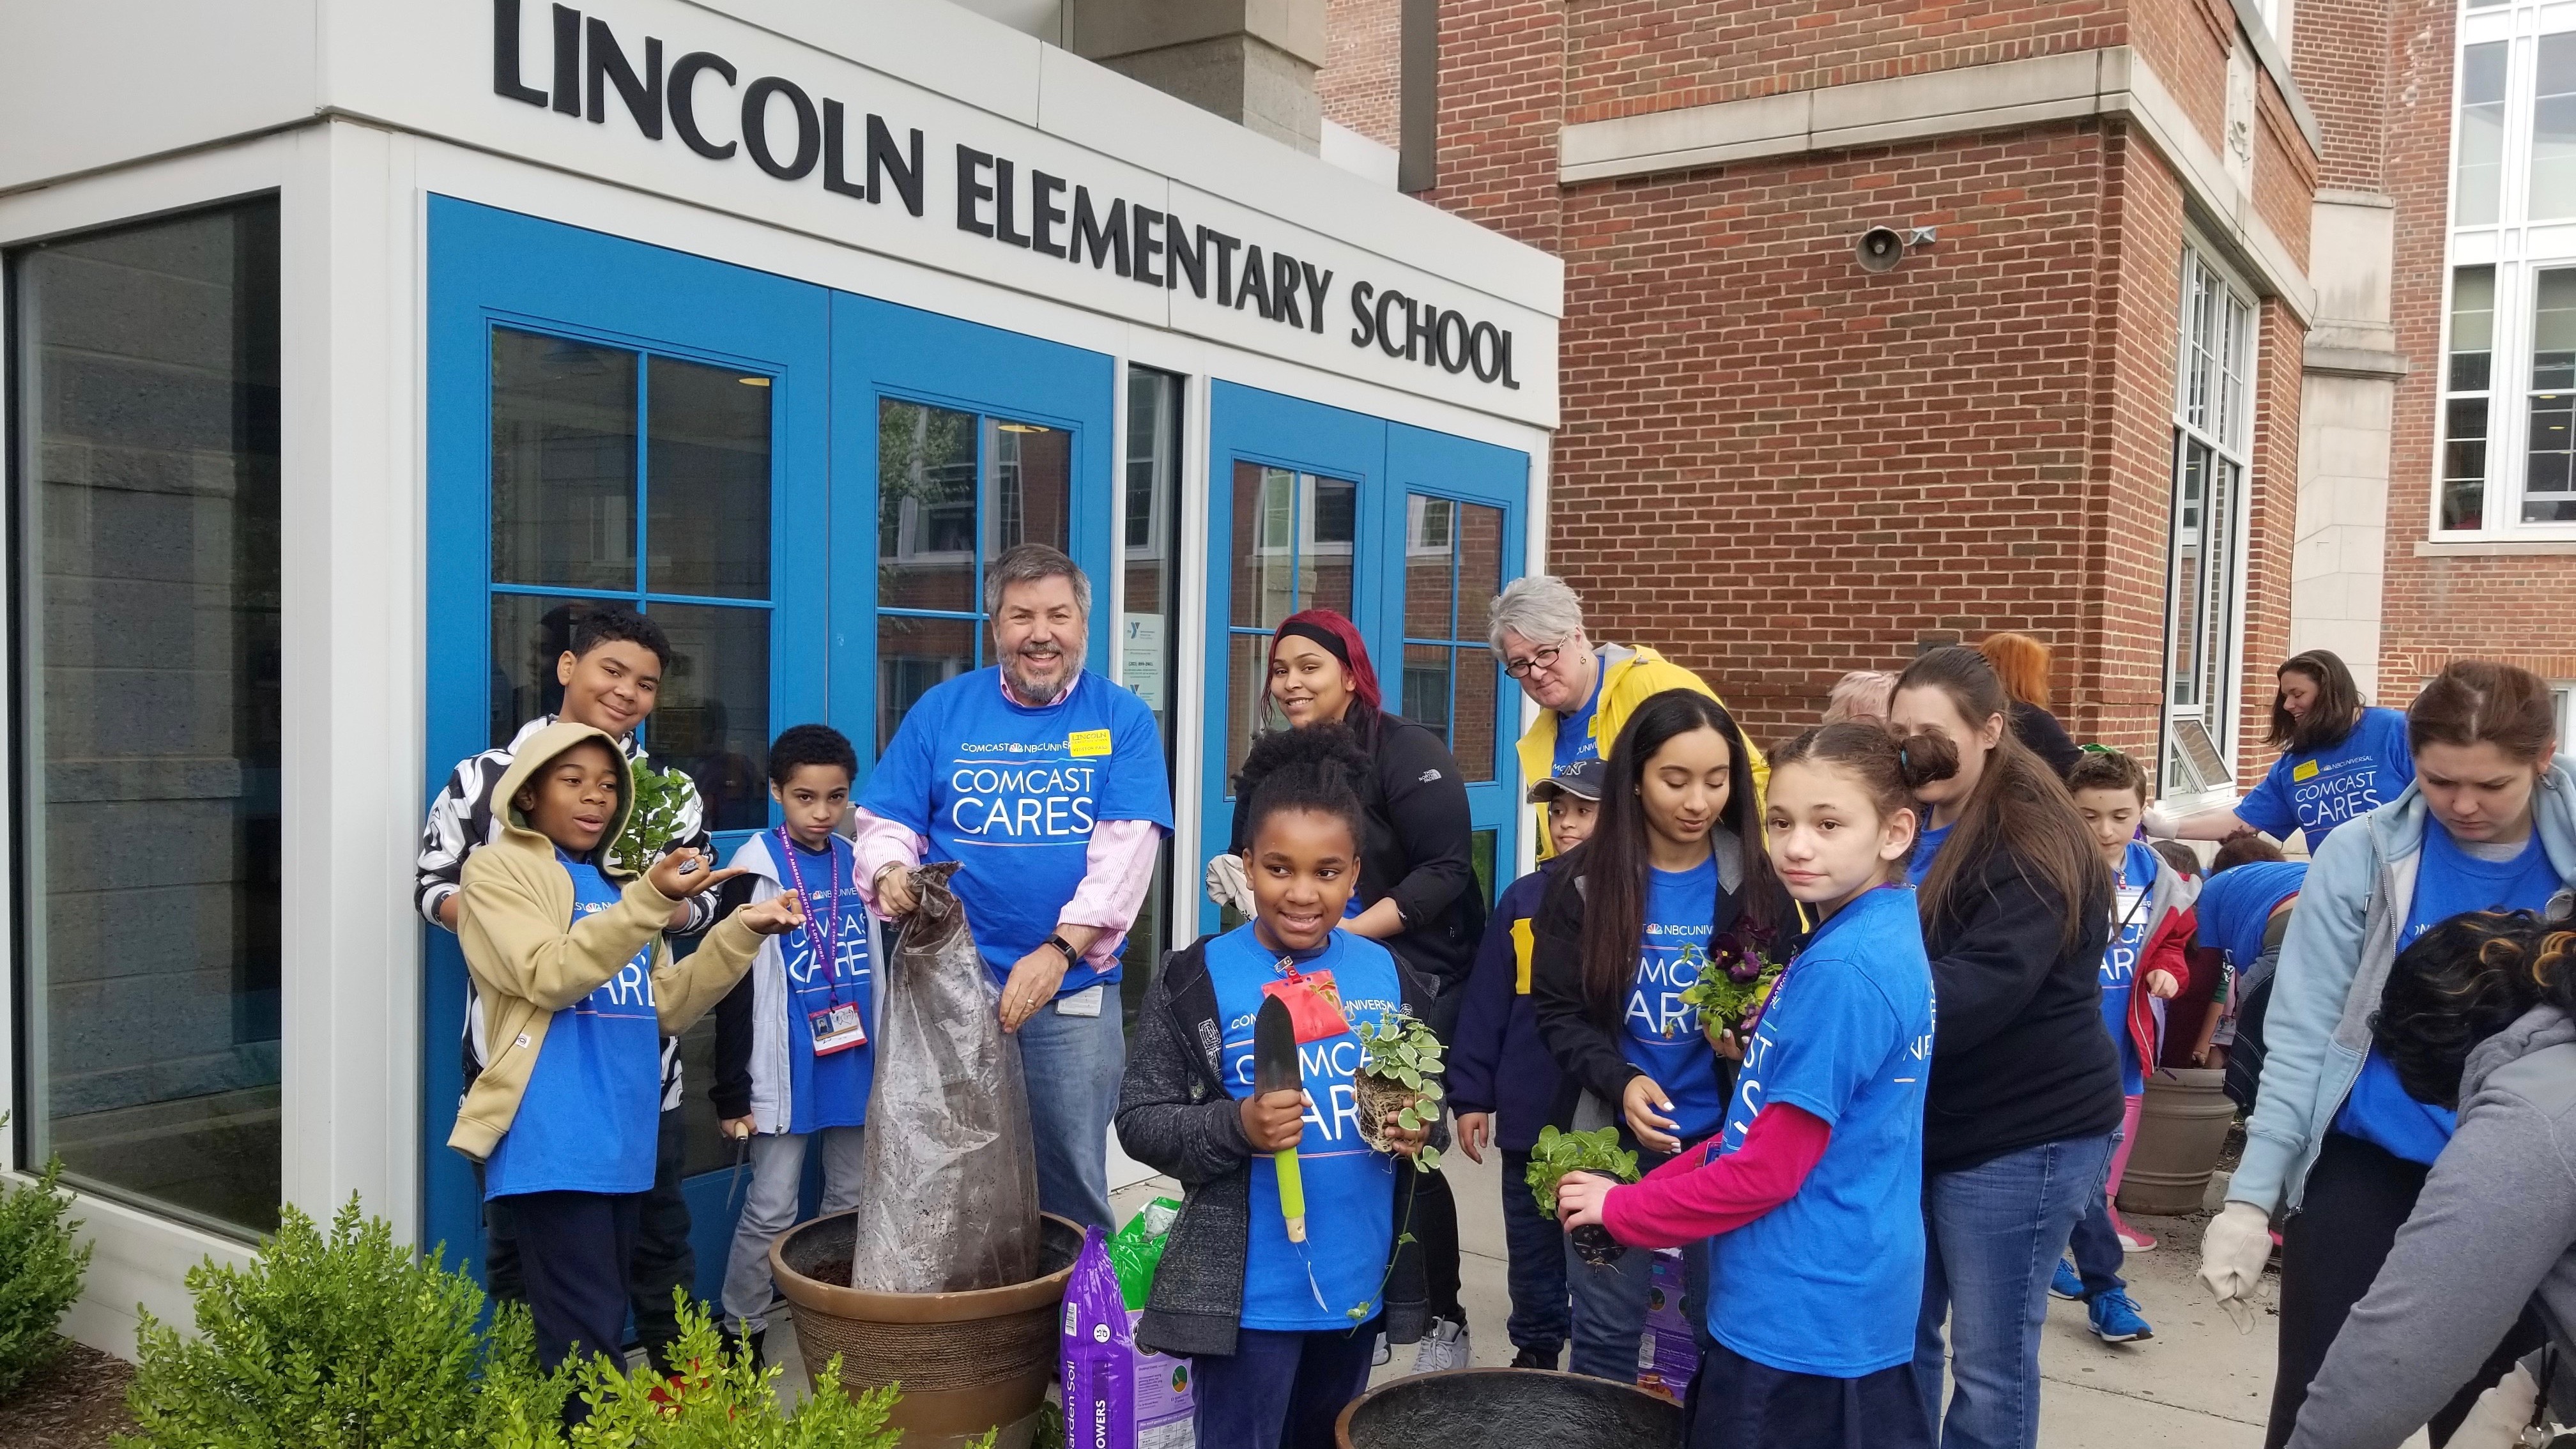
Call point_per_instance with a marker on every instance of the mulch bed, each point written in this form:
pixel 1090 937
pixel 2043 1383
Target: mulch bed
pixel 75 1402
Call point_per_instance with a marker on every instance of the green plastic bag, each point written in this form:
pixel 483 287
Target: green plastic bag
pixel 1137 1250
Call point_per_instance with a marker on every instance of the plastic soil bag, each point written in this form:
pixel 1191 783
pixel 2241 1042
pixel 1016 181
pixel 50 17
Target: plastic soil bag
pixel 1138 1249
pixel 1116 1395
pixel 948 1177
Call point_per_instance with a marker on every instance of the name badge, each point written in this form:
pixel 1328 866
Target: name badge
pixel 1087 744
pixel 836 1029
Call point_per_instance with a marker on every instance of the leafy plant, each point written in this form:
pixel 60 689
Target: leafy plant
pixel 655 822
pixel 40 1271
pixel 1401 1055
pixel 1735 979
pixel 1557 1153
pixel 334 1343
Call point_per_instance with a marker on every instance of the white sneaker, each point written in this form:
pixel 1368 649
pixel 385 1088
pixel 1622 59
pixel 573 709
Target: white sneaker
pixel 1443 1348
pixel 1382 1355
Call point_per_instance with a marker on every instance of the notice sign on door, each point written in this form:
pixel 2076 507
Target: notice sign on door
pixel 1140 659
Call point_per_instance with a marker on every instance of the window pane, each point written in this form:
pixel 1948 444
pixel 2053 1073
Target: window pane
pixel 1148 656
pixel 912 656
pixel 2191 506
pixel 1031 488
pixel 1426 686
pixel 2217 603
pixel 1480 568
pixel 563 462
pixel 1264 524
pixel 530 633
pixel 925 507
pixel 713 721
pixel 147 391
pixel 2472 328
pixel 1331 507
pixel 707 479
pixel 1430 569
pixel 2479 187
pixel 1247 705
pixel 2464 463
pixel 2553 128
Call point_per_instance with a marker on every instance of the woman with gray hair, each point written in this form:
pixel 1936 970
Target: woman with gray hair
pixel 1861 695
pixel 1584 691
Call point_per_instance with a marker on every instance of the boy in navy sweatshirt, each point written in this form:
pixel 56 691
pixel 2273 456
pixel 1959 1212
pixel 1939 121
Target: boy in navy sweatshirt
pixel 1501 1067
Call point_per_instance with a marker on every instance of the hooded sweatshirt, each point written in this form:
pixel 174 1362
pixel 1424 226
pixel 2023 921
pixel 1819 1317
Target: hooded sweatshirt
pixel 2334 968
pixel 2494 1226
pixel 530 959
pixel 1629 677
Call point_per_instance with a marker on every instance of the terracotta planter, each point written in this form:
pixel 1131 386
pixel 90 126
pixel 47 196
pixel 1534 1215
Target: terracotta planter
pixel 967 1362
pixel 1507 1409
pixel 2181 1131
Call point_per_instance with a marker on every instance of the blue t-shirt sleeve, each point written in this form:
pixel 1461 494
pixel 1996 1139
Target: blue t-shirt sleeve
pixel 1135 786
pixel 899 788
pixel 2396 762
pixel 2266 807
pixel 1838 1036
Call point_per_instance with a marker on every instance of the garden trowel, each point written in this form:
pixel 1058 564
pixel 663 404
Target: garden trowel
pixel 1275 1069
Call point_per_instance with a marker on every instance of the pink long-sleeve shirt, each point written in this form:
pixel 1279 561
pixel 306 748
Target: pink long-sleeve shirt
pixel 1690 1198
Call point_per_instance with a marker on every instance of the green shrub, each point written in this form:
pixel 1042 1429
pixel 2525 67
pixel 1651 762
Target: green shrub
pixel 340 1342
pixel 40 1272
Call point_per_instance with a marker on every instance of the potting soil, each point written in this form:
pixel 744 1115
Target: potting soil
pixel 948 1180
pixel 1116 1395
pixel 1512 1409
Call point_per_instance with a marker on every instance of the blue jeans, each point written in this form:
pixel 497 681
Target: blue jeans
pixel 1073 1064
pixel 1992 1234
pixel 1610 1307
pixel 1281 1390
pixel 1536 1249
pixel 2096 1247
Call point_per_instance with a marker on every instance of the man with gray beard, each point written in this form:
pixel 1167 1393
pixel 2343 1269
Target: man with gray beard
pixel 1046 783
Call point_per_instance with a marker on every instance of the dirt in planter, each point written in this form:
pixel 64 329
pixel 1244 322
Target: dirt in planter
pixel 75 1402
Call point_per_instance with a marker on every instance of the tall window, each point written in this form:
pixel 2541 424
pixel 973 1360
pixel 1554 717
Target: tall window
pixel 1453 567
pixel 1148 645
pixel 1292 551
pixel 144 472
pixel 954 490
pixel 2467 376
pixel 2203 605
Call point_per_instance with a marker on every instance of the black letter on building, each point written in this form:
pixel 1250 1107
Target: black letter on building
pixel 836 173
pixel 1366 331
pixel 970 165
pixel 884 158
pixel 1187 256
pixel 567 60
pixel 1225 246
pixel 1149 242
pixel 642 94
pixel 1315 285
pixel 1006 203
pixel 755 127
pixel 1043 190
pixel 1255 284
pixel 505 55
pixel 684 110
pixel 1283 290
pixel 1107 242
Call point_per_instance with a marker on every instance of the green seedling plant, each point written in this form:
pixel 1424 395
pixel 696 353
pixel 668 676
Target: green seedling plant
pixel 1557 1153
pixel 40 1272
pixel 1400 1053
pixel 655 822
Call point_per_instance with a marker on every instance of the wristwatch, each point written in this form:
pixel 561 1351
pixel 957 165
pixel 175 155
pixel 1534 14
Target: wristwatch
pixel 1072 957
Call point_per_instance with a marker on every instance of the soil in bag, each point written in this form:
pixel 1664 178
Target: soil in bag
pixel 948 1180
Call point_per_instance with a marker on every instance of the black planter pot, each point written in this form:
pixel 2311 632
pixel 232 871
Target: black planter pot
pixel 1508 1409
pixel 1592 1242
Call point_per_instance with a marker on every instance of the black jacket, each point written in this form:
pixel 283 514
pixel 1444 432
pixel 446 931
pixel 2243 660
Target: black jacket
pixel 2019 1053
pixel 1584 1039
pixel 1420 850
pixel 2038 729
pixel 1175 1116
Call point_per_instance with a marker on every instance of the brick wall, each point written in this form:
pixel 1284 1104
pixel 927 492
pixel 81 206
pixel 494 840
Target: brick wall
pixel 1502 95
pixel 1363 53
pixel 2340 50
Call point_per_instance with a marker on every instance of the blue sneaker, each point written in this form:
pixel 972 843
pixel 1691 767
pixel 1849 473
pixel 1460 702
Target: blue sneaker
pixel 2068 1283
pixel 2116 1319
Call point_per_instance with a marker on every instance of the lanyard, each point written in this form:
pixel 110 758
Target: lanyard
pixel 831 947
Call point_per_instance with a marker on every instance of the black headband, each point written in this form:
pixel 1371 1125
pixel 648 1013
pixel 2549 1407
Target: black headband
pixel 1317 634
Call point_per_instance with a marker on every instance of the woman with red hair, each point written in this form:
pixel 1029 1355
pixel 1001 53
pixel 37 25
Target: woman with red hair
pixel 2021 662
pixel 1417 892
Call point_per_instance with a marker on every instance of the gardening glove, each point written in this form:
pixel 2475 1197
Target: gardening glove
pixel 1227 885
pixel 2157 824
pixel 2497 1419
pixel 2233 1249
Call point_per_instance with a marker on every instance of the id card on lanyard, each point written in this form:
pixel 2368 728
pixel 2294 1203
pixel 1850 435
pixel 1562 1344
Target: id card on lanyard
pixel 837 1027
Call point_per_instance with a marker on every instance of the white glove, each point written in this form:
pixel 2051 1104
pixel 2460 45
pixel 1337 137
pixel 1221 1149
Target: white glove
pixel 2233 1249
pixel 2157 824
pixel 2498 1418
pixel 1226 884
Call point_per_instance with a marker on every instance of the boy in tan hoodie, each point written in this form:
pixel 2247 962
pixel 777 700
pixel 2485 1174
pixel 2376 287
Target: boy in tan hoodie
pixel 578 991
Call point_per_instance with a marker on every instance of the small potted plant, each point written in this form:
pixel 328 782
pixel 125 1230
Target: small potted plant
pixel 1399 1072
pixel 1597 1152
pixel 1735 980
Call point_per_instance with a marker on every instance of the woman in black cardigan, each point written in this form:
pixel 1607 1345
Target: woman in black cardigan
pixel 1417 893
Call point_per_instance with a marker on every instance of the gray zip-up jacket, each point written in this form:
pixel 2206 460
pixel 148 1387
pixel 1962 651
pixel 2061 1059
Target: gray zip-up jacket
pixel 753 1073
pixel 2494 1228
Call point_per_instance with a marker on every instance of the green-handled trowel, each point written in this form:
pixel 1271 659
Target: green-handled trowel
pixel 1275 1069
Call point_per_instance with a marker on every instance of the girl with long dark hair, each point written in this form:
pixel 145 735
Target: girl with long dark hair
pixel 1630 919
pixel 2340 759
pixel 2016 910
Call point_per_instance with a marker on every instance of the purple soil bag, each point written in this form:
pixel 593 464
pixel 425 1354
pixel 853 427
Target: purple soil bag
pixel 1116 1396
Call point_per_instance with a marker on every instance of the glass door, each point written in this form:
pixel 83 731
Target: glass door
pixel 613 424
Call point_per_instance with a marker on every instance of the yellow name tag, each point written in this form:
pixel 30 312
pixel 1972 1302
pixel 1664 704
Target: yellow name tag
pixel 1087 743
pixel 2304 771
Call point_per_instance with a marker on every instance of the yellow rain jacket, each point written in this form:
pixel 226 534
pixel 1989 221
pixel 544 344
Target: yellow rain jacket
pixel 1629 677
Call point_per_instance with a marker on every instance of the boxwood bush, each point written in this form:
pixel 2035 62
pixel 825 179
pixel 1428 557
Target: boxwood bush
pixel 40 1272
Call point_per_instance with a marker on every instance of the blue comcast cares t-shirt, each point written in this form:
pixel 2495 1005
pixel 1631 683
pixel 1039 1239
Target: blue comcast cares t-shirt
pixel 588 1120
pixel 2236 905
pixel 829 1090
pixel 1828 1282
pixel 1350 1188
pixel 2322 789
pixel 1662 1033
pixel 2129 907
pixel 1011 794
pixel 2448 882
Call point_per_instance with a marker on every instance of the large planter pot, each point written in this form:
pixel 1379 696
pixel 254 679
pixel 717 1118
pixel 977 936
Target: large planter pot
pixel 2181 1130
pixel 1507 1409
pixel 967 1362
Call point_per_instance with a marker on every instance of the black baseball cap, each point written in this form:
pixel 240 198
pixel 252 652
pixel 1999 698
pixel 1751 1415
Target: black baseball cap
pixel 1582 780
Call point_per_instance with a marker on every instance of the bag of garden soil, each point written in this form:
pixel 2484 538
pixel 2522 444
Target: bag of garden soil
pixel 948 1176
pixel 1668 1352
pixel 1116 1395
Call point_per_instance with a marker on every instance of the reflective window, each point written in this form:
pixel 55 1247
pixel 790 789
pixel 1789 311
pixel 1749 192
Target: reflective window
pixel 146 479
pixel 2477 196
pixel 1453 566
pixel 2548 490
pixel 2209 483
pixel 1292 551
pixel 2466 377
pixel 1149 647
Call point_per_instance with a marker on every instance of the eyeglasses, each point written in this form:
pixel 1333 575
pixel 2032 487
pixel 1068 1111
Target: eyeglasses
pixel 1521 668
